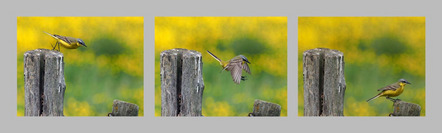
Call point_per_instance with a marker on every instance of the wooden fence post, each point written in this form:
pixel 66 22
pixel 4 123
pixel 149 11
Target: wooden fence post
pixel 263 108
pixel 122 108
pixel 402 108
pixel 182 82
pixel 324 82
pixel 44 83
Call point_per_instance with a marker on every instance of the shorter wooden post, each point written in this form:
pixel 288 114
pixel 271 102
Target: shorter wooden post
pixel 122 108
pixel 182 82
pixel 263 108
pixel 44 83
pixel 402 108
pixel 324 82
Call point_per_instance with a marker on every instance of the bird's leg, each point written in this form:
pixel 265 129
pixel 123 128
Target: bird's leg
pixel 391 99
pixel 53 46
pixel 58 46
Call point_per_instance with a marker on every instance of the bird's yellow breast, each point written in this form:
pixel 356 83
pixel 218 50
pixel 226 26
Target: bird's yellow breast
pixel 394 93
pixel 69 46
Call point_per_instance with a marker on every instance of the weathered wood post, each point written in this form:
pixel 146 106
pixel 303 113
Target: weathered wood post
pixel 402 108
pixel 263 108
pixel 44 83
pixel 122 108
pixel 182 82
pixel 324 82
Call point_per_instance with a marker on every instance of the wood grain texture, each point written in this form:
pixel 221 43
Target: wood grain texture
pixel 44 83
pixel 182 82
pixel 264 108
pixel 33 63
pixel 168 73
pixel 122 108
pixel 192 84
pixel 312 62
pixel 324 82
pixel 402 108
pixel 334 83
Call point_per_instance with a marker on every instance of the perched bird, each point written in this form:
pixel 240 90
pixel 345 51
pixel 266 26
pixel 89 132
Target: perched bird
pixel 392 90
pixel 235 66
pixel 67 42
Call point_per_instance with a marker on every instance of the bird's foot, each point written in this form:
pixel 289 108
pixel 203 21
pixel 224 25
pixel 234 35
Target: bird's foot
pixel 243 78
pixel 393 100
pixel 55 46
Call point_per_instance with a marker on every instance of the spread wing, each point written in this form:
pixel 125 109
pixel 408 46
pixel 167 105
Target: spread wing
pixel 235 69
pixel 390 87
pixel 245 66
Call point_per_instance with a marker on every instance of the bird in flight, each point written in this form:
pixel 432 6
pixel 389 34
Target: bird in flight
pixel 235 66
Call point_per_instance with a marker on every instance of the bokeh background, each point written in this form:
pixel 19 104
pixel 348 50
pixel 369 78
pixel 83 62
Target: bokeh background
pixel 110 67
pixel 377 51
pixel 263 40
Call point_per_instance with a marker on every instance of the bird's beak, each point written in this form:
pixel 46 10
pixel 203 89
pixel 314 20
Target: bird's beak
pixel 408 82
pixel 84 45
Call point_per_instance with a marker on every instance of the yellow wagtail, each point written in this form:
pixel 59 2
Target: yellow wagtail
pixel 235 66
pixel 67 42
pixel 392 90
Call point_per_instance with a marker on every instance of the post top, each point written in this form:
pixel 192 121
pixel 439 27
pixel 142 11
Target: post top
pixel 182 51
pixel 325 51
pixel 123 102
pixel 45 52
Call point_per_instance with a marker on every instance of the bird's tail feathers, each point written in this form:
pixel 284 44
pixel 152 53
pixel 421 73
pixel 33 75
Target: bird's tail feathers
pixel 49 34
pixel 219 60
pixel 374 97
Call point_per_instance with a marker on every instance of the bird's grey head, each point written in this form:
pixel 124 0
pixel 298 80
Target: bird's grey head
pixel 81 42
pixel 404 81
pixel 244 59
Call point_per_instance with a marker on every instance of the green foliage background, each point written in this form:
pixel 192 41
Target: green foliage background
pixel 263 40
pixel 110 67
pixel 377 51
